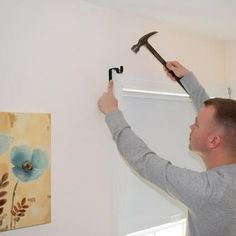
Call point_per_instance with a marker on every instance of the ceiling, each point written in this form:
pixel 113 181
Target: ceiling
pixel 216 18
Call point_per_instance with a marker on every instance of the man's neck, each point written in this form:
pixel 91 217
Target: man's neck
pixel 214 160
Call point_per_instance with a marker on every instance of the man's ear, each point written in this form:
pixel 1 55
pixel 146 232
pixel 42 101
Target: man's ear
pixel 214 141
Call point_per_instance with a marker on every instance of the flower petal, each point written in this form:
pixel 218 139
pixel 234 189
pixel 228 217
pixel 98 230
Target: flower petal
pixel 24 176
pixel 20 154
pixel 39 159
pixel 5 141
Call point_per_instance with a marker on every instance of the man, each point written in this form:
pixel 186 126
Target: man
pixel 210 196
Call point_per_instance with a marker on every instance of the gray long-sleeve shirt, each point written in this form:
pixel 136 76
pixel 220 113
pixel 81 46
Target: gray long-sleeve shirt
pixel 210 196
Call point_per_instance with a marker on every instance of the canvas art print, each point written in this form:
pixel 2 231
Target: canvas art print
pixel 25 187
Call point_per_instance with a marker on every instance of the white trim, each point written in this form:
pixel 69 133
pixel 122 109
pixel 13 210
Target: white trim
pixel 160 88
pixel 154 230
pixel 154 94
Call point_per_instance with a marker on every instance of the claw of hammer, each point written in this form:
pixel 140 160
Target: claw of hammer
pixel 142 41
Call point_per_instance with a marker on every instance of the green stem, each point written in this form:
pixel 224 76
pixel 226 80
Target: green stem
pixel 12 202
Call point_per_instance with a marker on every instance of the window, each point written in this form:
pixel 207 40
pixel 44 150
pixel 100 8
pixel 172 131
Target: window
pixel 176 228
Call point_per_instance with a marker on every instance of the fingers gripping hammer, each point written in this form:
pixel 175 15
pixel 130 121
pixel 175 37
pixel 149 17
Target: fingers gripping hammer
pixel 143 41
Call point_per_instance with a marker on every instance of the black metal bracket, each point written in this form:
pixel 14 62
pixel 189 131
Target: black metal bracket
pixel 117 70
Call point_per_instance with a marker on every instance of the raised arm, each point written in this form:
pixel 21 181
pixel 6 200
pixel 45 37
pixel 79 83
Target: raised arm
pixel 196 92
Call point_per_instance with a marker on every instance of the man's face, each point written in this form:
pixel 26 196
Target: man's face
pixel 202 129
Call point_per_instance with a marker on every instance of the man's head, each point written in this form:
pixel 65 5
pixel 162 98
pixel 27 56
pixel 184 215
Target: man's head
pixel 225 117
pixel 215 127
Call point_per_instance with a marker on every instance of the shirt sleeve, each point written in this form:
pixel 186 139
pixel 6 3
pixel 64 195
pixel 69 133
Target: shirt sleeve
pixel 190 187
pixel 196 92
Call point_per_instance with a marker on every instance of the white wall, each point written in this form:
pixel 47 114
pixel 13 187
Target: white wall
pixel 230 66
pixel 54 57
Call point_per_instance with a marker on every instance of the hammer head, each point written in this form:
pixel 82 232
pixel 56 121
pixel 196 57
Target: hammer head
pixel 142 41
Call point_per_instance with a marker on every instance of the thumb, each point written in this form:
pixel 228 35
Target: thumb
pixel 110 87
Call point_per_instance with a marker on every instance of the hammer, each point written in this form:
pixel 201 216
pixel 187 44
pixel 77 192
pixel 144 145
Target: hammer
pixel 143 41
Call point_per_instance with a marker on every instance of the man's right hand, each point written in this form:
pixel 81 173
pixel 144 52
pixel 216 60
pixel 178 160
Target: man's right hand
pixel 107 102
pixel 178 69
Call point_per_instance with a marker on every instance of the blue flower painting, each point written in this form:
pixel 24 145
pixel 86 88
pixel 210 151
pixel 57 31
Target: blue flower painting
pixel 25 181
pixel 28 164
